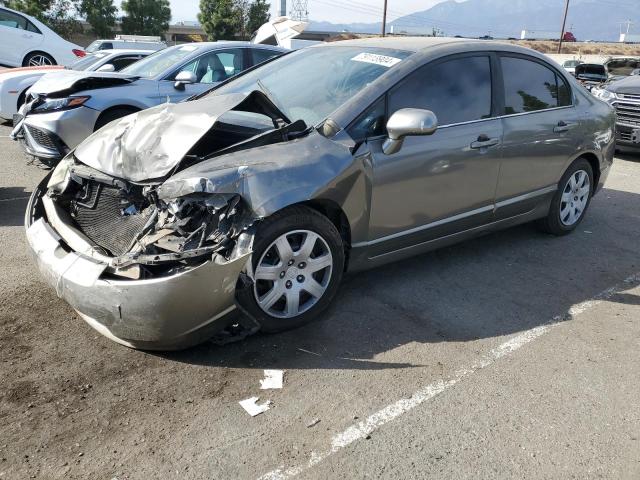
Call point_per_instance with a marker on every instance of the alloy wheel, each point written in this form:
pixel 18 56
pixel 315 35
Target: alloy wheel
pixel 575 197
pixel 39 60
pixel 293 274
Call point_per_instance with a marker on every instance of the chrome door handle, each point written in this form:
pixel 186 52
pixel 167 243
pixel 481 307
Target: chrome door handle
pixel 484 141
pixel 562 127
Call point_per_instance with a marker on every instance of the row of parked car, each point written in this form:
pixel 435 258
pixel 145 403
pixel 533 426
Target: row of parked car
pixel 251 179
pixel 616 81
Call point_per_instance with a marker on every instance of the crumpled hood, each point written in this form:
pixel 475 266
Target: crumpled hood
pixel 70 81
pixel 148 144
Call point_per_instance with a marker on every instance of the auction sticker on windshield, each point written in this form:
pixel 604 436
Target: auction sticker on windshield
pixel 382 60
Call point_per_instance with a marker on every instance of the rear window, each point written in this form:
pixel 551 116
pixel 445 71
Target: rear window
pixel 530 86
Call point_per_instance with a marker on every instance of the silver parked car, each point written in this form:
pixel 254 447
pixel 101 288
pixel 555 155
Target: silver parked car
pixel 262 193
pixel 63 110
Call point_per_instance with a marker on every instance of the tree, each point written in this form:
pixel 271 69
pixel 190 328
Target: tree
pixel 258 15
pixel 145 17
pixel 219 19
pixel 101 15
pixel 35 8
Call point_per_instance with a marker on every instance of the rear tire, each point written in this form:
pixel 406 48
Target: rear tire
pixel 38 59
pixel 571 200
pixel 111 115
pixel 294 288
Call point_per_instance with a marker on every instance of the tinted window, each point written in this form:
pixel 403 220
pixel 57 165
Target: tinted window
pixel 260 56
pixel 371 123
pixel 9 19
pixel 106 46
pixel 32 28
pixel 530 86
pixel 121 62
pixel 457 90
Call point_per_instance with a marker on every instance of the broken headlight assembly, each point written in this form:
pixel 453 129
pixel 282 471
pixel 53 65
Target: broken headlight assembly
pixel 55 104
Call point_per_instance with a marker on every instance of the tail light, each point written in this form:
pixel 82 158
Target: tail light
pixel 79 53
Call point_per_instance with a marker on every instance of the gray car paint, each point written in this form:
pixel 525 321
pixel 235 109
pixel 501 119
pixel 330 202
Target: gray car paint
pixel 434 192
pixel 127 91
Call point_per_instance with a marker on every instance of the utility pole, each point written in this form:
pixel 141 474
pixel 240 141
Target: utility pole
pixel 384 18
pixel 564 23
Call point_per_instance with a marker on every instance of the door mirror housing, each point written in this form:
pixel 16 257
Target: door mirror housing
pixel 408 122
pixel 107 67
pixel 183 78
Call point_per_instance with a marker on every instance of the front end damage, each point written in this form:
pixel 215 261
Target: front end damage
pixel 146 229
pixel 145 272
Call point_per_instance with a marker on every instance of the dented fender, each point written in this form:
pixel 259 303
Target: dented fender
pixel 275 176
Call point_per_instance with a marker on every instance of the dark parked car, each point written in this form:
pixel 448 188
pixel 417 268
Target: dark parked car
pixel 262 193
pixel 591 74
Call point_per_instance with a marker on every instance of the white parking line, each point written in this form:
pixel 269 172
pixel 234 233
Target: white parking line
pixel 381 417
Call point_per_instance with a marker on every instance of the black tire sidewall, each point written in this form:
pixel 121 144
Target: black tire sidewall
pixel 290 219
pixel 554 222
pixel 110 116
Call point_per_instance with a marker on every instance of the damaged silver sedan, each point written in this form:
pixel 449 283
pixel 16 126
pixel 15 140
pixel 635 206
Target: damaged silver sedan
pixel 261 193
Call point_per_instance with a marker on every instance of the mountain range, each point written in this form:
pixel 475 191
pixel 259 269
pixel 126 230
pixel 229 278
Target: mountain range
pixel 587 19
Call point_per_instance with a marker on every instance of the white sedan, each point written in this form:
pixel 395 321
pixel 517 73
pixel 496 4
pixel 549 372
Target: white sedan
pixel 15 82
pixel 25 41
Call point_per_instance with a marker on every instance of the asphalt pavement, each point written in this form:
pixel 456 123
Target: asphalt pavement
pixel 514 355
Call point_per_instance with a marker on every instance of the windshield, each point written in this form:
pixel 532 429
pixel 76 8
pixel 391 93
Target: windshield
pixel 93 46
pixel 311 83
pixel 86 62
pixel 623 66
pixel 572 63
pixel 158 62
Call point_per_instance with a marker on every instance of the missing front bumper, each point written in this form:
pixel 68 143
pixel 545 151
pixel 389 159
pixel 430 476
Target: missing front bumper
pixel 158 314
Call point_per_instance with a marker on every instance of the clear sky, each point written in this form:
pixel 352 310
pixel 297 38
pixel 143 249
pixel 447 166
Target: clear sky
pixel 331 10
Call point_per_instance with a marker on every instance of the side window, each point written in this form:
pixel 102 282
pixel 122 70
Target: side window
pixel 106 46
pixel 215 67
pixel 32 28
pixel 262 55
pixel 457 90
pixel 10 19
pixel 371 123
pixel 121 62
pixel 530 86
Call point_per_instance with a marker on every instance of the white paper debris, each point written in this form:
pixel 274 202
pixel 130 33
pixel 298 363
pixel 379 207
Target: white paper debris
pixel 382 60
pixel 252 408
pixel 272 379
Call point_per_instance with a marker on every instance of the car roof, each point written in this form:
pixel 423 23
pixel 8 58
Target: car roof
pixel 410 44
pixel 228 43
pixel 119 51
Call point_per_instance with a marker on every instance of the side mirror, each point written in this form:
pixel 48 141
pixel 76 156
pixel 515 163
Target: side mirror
pixel 107 67
pixel 406 122
pixel 183 78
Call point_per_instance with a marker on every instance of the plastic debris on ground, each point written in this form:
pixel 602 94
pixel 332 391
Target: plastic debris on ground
pixel 252 407
pixel 272 379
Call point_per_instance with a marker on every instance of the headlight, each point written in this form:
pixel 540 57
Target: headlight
pixel 603 94
pixel 60 176
pixel 53 104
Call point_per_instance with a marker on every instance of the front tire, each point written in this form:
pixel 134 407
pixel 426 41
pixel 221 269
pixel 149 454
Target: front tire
pixel 570 203
pixel 298 261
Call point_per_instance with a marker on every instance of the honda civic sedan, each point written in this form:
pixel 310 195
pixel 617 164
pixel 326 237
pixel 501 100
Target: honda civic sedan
pixel 259 195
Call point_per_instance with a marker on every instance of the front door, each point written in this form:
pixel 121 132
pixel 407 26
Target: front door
pixel 444 183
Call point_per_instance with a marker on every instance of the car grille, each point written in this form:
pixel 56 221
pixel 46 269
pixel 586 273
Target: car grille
pixel 42 137
pixel 625 136
pixel 628 113
pixel 99 214
pixel 629 96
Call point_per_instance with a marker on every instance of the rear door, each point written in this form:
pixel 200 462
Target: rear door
pixel 444 183
pixel 541 132
pixel 18 36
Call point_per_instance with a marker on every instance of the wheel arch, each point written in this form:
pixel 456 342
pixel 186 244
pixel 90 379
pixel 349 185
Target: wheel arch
pixel 31 52
pixel 130 108
pixel 595 165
